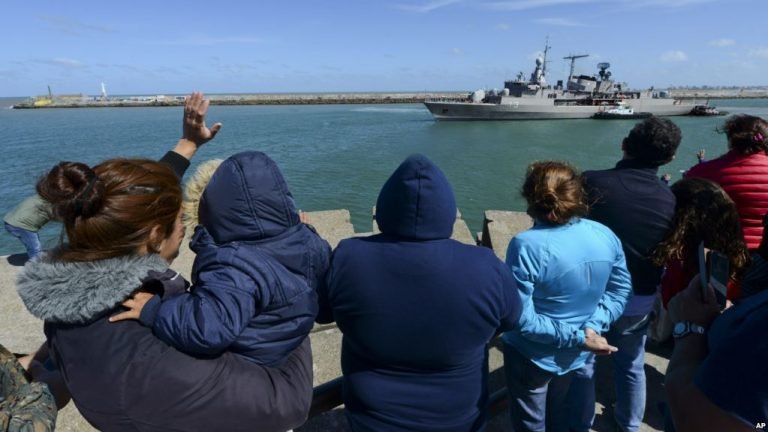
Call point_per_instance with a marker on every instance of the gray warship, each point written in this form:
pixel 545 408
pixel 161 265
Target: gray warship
pixel 583 96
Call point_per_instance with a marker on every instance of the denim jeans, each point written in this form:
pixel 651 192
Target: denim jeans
pixel 628 334
pixel 537 397
pixel 29 239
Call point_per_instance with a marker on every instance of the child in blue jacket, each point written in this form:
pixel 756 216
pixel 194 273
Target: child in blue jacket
pixel 255 275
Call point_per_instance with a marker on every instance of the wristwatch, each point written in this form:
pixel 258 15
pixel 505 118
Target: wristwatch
pixel 684 328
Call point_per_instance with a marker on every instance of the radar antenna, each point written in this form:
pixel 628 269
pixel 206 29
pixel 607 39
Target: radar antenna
pixel 604 74
pixel 573 58
pixel 546 50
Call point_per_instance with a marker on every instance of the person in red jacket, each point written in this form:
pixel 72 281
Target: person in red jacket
pixel 743 172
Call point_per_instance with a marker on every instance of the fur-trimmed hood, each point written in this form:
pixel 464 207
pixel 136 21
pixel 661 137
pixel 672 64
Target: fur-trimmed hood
pixel 78 292
pixel 193 191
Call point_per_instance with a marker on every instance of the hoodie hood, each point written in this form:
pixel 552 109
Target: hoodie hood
pixel 247 199
pixel 78 292
pixel 417 202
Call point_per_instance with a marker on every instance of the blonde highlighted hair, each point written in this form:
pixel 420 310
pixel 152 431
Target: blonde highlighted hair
pixel 193 191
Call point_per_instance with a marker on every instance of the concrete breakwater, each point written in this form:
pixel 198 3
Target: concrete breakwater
pixel 81 101
pixel 21 332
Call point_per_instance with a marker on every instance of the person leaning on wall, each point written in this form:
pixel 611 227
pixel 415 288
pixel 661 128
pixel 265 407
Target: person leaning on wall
pixel 26 219
pixel 572 278
pixel 416 310
pixel 123 220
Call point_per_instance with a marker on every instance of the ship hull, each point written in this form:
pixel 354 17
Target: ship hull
pixel 523 110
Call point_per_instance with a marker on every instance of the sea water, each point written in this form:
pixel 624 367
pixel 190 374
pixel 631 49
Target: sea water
pixel 336 156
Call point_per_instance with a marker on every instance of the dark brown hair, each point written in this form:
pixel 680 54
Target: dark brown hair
pixel 704 212
pixel 653 141
pixel 110 210
pixel 555 192
pixel 747 134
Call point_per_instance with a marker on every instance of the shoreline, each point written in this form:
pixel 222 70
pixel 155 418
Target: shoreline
pixel 80 101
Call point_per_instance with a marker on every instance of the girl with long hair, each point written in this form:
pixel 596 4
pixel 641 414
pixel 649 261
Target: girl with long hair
pixel 703 213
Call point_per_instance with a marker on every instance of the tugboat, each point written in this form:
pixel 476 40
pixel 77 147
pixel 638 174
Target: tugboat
pixel 581 96
pixel 706 111
pixel 620 111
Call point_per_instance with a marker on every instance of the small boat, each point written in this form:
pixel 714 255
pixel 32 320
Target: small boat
pixel 706 111
pixel 620 111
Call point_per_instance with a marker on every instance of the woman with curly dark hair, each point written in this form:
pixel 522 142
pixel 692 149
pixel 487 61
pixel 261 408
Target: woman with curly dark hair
pixel 743 172
pixel 573 281
pixel 704 212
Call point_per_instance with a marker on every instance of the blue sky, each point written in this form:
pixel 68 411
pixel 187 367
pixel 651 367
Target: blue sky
pixel 170 46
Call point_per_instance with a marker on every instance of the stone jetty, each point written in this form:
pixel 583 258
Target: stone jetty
pixel 20 332
pixel 83 101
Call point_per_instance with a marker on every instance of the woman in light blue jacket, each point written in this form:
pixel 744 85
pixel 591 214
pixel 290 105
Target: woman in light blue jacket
pixel 573 281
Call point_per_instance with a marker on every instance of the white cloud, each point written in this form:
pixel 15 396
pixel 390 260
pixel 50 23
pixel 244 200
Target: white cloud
pixel 429 7
pixel 457 51
pixel 64 62
pixel 669 3
pixel 74 27
pixel 513 5
pixel 722 42
pixel 674 56
pixel 761 52
pixel 560 22
pixel 503 27
pixel 209 41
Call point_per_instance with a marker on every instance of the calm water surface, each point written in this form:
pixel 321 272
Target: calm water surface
pixel 336 156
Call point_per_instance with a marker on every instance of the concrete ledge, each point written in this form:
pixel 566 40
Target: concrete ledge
pixel 332 225
pixel 461 231
pixel 500 226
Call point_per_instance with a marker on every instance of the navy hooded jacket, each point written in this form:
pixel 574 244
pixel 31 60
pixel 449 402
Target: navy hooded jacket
pixel 416 310
pixel 256 272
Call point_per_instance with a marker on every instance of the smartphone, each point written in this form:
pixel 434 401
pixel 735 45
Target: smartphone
pixel 719 271
pixel 703 271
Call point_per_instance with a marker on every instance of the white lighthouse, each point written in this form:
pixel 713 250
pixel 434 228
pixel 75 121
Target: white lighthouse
pixel 103 91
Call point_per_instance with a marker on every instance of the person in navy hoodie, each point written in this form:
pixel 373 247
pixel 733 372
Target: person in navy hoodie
pixel 255 275
pixel 416 310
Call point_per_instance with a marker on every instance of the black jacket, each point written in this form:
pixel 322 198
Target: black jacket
pixel 638 207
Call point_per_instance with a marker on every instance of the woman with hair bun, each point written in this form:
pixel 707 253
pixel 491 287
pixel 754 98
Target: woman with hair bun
pixel 572 277
pixel 743 173
pixel 123 224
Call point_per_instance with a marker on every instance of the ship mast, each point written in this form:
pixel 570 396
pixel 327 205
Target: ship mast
pixel 546 49
pixel 573 58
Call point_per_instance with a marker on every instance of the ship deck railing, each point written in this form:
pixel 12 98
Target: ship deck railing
pixel 448 99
